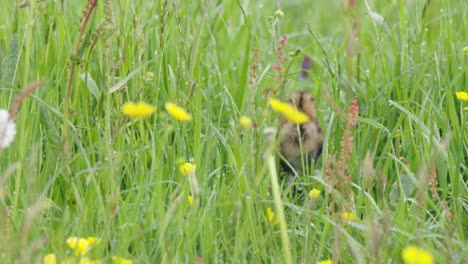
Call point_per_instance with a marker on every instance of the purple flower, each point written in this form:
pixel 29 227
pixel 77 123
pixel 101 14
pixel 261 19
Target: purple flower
pixel 306 64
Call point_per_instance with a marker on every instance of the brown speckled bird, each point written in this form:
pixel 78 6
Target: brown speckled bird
pixel 310 135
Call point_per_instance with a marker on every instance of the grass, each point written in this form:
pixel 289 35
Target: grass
pixel 79 167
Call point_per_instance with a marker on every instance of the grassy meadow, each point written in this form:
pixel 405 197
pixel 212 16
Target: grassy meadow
pixel 88 183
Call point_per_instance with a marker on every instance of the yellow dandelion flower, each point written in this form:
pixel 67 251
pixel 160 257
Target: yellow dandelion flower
pixel 245 122
pixel 82 245
pixel 296 116
pixel 328 261
pixel 93 240
pixel 462 96
pixel 177 112
pixel 348 216
pixel 120 260
pixel 187 168
pixel 277 105
pixel 465 50
pixel 138 110
pixel 314 194
pixel 49 259
pixel 279 13
pixel 416 255
pixel 272 217
pixel 289 111
pixel 190 199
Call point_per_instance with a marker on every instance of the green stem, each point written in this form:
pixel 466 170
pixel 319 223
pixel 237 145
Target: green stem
pixel 279 208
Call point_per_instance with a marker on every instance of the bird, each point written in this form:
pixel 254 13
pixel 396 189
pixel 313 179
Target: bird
pixel 300 141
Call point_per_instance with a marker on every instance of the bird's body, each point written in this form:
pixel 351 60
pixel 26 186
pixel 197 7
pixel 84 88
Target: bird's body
pixel 302 141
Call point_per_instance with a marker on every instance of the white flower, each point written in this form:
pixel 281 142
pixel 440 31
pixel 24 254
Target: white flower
pixel 7 129
pixel 378 19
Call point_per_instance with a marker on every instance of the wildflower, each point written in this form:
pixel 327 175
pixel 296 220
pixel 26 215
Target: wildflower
pixel 137 110
pixel 328 261
pixel 289 111
pixel 279 13
pixel 465 50
pixel 177 112
pixel 416 255
pixel 348 216
pixel 49 259
pixel 296 116
pixel 120 260
pixel 279 67
pixel 82 245
pixel 277 105
pixel 314 193
pixel 245 121
pixel 7 129
pixel 306 64
pixel 272 217
pixel 462 96
pixel 187 168
pixel 89 261
pixel 190 199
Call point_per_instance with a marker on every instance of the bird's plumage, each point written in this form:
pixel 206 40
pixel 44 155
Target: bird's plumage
pixel 305 140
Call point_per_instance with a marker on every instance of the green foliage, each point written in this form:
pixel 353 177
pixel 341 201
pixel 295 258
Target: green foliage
pixel 10 62
pixel 119 179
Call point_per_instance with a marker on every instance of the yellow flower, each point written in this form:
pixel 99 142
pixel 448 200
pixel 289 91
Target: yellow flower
pixel 465 50
pixel 190 199
pixel 348 216
pixel 277 105
pixel 49 259
pixel 86 260
pixel 289 111
pixel 279 13
pixel 462 96
pixel 187 168
pixel 296 116
pixel 177 112
pixel 137 110
pixel 245 121
pixel 83 260
pixel 314 193
pixel 93 240
pixel 82 245
pixel 120 260
pixel 416 255
pixel 272 217
pixel 328 261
